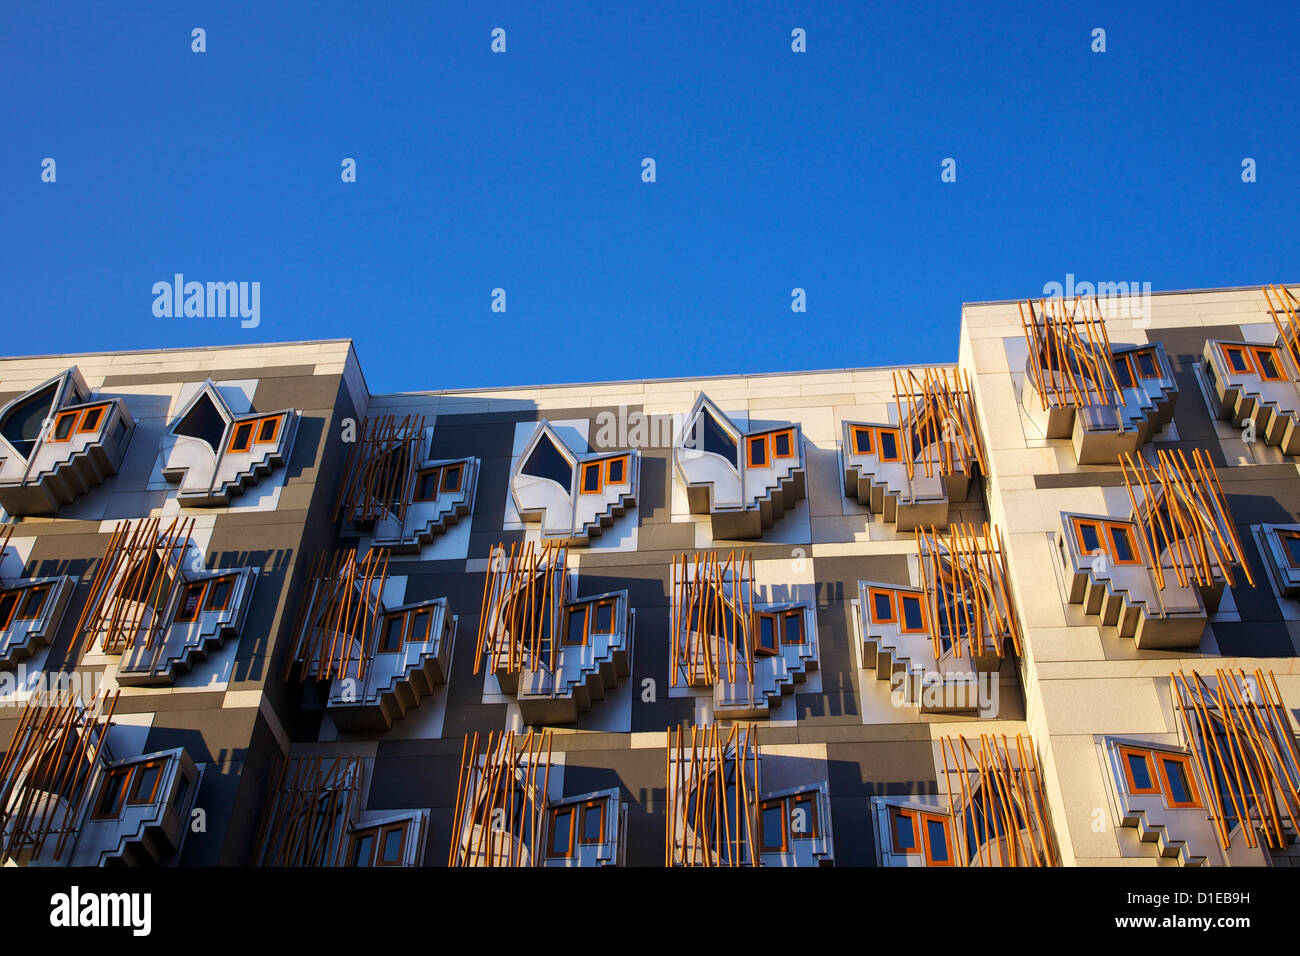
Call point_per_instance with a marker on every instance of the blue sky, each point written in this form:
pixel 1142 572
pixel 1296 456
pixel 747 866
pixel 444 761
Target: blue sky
pixel 522 171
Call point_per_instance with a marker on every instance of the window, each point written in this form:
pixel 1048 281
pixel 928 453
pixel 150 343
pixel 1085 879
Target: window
pixel 91 419
pixel 563 821
pixel 451 478
pixel 1146 364
pixel 765 639
pixel 241 440
pixel 182 791
pixel 112 794
pixel 63 426
pixel 1123 371
pixel 1151 772
pixel 418 632
pixel 758 452
pixel 391 634
pixel 220 591
pixel 882 606
pixel 147 778
pixel 920 833
pixel 616 470
pixel 714 438
pixel 936 840
pixel 905 837
pixel 267 430
pixel 1262 360
pixel 889 444
pixel 772 815
pixel 1268 362
pixel 913 614
pixel 803 816
pixel 379 846
pixel 1238 358
pixel 8 604
pixel 191 602
pixel 34 603
pixel 363 848
pixel 591 478
pixel 783 444
pixel 593 822
pixel 792 626
pixel 547 461
pixel 1290 547
pixel 862 444
pixel 1113 538
pixel 603 622
pixel 203 421
pixel 576 631
pixel 427 482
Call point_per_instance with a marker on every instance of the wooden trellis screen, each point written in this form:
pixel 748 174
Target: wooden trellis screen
pixel 134 583
pixel 310 810
pixel 1183 510
pixel 712 797
pixel 1069 353
pixel 996 787
pixel 1285 310
pixel 379 469
pixel 965 570
pixel 49 771
pixel 336 623
pixel 523 601
pixel 1244 751
pixel 712 634
pixel 938 416
pixel 6 532
pixel 501 800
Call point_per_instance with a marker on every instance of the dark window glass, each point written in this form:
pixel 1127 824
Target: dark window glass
pixel 1122 374
pixel 113 794
pixel 392 633
pixel 862 441
pixel 419 627
pixel 1119 537
pixel 547 461
pixel 1088 535
pixel 1139 769
pixel 426 485
pixel 616 468
pixel 767 633
pixel 203 422
pixel 63 426
pixel 593 830
pixel 22 426
pixel 243 436
pixel 182 791
pixel 882 606
pixel 774 825
pixel 1147 365
pixel 391 853
pixel 604 623
pixel 577 627
pixel 266 430
pixel 888 445
pixel 937 839
pixel 219 594
pixel 715 438
pixel 34 603
pixel 912 618
pixel 591 477
pixel 793 627
pixel 805 812
pixel 904 832
pixel 146 780
pixel 1267 364
pixel 451 478
pixel 781 444
pixel 190 598
pixel 1175 772
pixel 1237 359
pixel 1290 541
pixel 758 452
pixel 363 848
pixel 8 601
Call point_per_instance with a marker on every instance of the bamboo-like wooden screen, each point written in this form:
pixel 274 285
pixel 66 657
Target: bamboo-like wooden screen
pixel 712 632
pixel 1183 511
pixel 1245 754
pixel 502 800
pixel 522 609
pixel 379 471
pixel 964 581
pixel 134 583
pixel 1069 353
pixel 937 413
pixel 337 617
pixel 310 811
pixel 997 808
pixel 1285 310
pixel 713 784
pixel 49 772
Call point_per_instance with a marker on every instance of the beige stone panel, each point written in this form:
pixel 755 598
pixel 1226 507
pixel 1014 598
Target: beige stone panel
pixel 1064 644
pixel 1115 705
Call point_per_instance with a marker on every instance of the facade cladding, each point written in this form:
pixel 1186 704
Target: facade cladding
pixel 1040 607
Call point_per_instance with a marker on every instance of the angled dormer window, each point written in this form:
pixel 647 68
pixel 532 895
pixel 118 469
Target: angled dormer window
pixel 547 461
pixel 22 423
pixel 203 421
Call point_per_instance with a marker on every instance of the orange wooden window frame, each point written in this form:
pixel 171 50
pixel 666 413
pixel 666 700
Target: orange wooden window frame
pixel 202 588
pixel 83 428
pixel 1227 350
pixel 119 777
pixel 208 603
pixel 384 623
pixel 893 610
pixel 623 462
pixel 7 616
pixel 1184 761
pixel 591 467
pixel 796 614
pixel 1124 754
pixel 904 813
pixel 234 447
pixel 275 434
pixel 857 433
pixel 1079 524
pixel 21 608
pixel 808 799
pixel 1122 361
pixel 1129 536
pixel 754 442
pixel 445 486
pixel 53 437
pixel 584 610
pixel 880 444
pixel 592 615
pixel 764 845
pixel 902 618
pixel 400 828
pixel 137 775
pixel 1275 356
pixel 788 433
pixel 1135 362
pixel 775 618
pixel 572 811
pixel 1283 537
pixel 599 807
pixel 923 821
pixel 435 474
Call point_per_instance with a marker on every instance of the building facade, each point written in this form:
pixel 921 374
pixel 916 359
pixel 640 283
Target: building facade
pixel 1040 606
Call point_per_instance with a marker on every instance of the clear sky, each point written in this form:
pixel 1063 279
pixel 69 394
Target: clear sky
pixel 523 171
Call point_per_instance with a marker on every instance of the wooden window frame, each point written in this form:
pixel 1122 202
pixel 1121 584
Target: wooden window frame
pixel 798 615
pixel 1284 535
pixel 856 431
pixel 625 461
pixel 1096 524
pixel 1124 361
pixel 1135 362
pixel 910 815
pixel 381 647
pixel 893 609
pixel 585 611
pixel 880 445
pixel 1184 761
pixel 572 811
pixel 409 632
pixel 598 469
pixel 1127 530
pixel 355 838
pixel 581 833
pixel 8 618
pixel 124 774
pixel 808 798
pixel 775 618
pixel 1275 355
pixel 1227 348
pixel 133 798
pixel 1129 783
pixel 436 473
pixel 444 487
pixel 275 435
pixel 757 441
pixel 53 437
pixel 20 610
pixel 383 830
pixel 83 429
pixel 202 587
pixel 789 432
pixel 593 607
pixel 902 618
pixel 234 449
pixel 764 847
pixel 923 821
pixel 208 604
